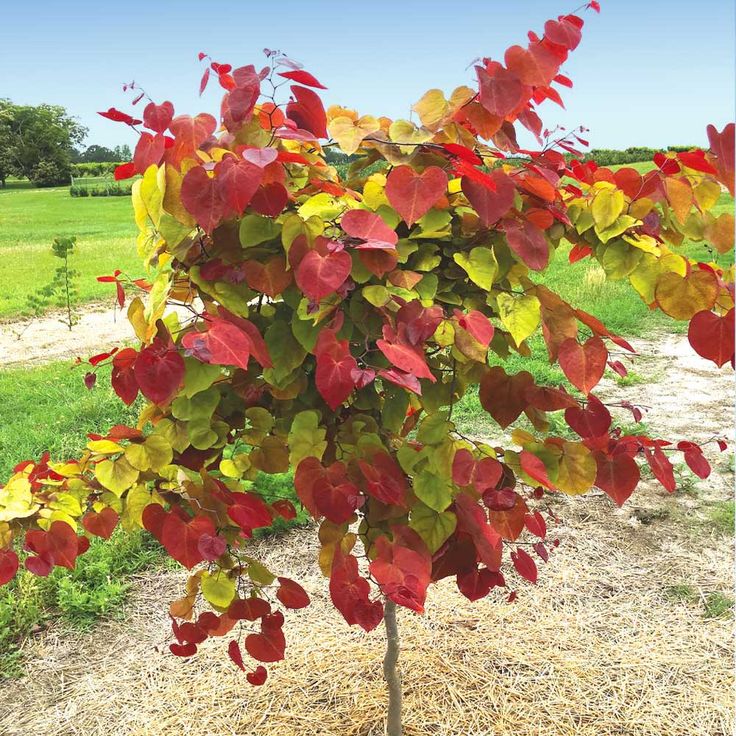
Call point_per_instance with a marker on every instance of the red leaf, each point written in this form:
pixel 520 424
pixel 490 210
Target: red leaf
pixel 712 336
pixel 258 676
pixel 237 181
pixel 233 651
pixel 148 151
pixel 525 565
pixel 268 646
pixel 189 133
pixel 536 524
pixel 327 491
pixel 249 512
pixel 124 171
pixel 201 195
pixel 722 147
pixel 370 227
pixel 118 116
pixel 101 524
pixel 302 77
pixel 402 567
pixel 478 583
pixel 181 538
pixel 501 91
pixel 661 467
pixel 349 593
pixel 384 479
pixel 585 364
pixel 8 565
pixel 412 194
pixel 248 609
pixel 477 324
pixel 503 396
pixel 535 468
pixel 204 80
pixel 291 594
pixel 490 206
pixel 307 111
pixel 123 378
pixel 563 32
pixel 404 380
pixel 285 509
pixel 472 520
pixel 592 421
pixel 90 379
pixel 183 650
pixel 270 199
pixel 464 153
pixel 528 242
pixel 696 462
pixel 403 355
pixel 211 547
pixel 158 117
pixel 39 565
pixel 271 278
pixel 319 276
pixel 463 467
pixel 222 344
pixel 335 366
pixel 159 371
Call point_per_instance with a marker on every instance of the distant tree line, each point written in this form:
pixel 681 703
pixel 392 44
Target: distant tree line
pixel 42 142
pixel 612 157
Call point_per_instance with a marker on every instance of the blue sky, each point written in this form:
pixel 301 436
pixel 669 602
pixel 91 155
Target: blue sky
pixel 648 72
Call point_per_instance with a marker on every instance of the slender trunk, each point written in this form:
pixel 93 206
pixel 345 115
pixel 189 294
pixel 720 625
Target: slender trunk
pixel 391 672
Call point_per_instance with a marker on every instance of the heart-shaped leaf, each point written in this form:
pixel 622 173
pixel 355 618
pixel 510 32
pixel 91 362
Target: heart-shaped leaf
pixel 412 194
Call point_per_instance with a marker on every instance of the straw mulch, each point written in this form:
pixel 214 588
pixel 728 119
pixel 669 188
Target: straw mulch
pixel 599 647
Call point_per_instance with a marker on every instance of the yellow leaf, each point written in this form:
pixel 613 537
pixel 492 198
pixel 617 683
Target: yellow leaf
pixel 682 297
pixel 171 187
pixel 607 205
pixel 306 437
pixel 153 454
pixel 104 447
pixel 218 589
pixel 16 499
pixel 403 131
pixel 136 317
pixel 431 108
pixel 136 501
pixel 116 475
pixel 577 469
pixel 680 196
pixel 720 232
pixel 349 133
pixel 519 315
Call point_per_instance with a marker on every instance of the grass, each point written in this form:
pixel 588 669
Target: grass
pixel 29 221
pixel 715 604
pixel 721 515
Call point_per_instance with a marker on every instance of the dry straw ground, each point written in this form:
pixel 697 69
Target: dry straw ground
pixel 600 647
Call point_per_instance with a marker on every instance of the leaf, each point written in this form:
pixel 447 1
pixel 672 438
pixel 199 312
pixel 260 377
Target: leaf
pixel 291 594
pixel 148 151
pixel 412 194
pixel 525 565
pixel 682 297
pixel 528 242
pixel 535 468
pixel 157 117
pixel 478 583
pixel 434 527
pixel 159 371
pixel 222 344
pixel 384 479
pixel 519 315
pixel 349 593
pixel 249 512
pixel 319 276
pixel 307 111
pixel 236 182
pixel 116 475
pixel 607 205
pixel 576 473
pixel 712 336
pixel 433 490
pixel 123 378
pixel 258 676
pixel 472 520
pixel 584 364
pixel 201 195
pixel 268 646
pixel 100 524
pixel 327 491
pixel 480 265
pixel 503 396
pixel 350 133
pixel 302 77
pixel 218 589
pixel 271 278
pixel 370 227
pixel 306 438
pixel 8 565
pixel 233 651
pixel 403 355
pixel 617 476
pixel 153 454
pixel 501 91
pixel 661 467
pixel 491 206
pixel 181 538
pixel 335 368
pixel 270 199
pixel 592 420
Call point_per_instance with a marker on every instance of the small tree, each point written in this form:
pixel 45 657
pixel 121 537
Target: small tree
pixel 336 322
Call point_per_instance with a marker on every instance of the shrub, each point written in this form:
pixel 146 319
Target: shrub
pixel 50 173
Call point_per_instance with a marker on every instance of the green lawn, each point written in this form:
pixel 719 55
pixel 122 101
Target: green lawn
pixel 29 221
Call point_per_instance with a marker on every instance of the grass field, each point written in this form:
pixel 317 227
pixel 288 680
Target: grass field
pixel 29 221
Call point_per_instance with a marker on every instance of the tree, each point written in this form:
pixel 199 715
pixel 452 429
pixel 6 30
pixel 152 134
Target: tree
pixel 96 154
pixel 335 323
pixel 37 143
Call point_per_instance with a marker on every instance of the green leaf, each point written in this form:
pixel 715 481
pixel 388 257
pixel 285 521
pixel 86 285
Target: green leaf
pixel 519 315
pixel 433 489
pixel 153 454
pixel 255 230
pixel 116 475
pixel 432 526
pixel 607 206
pixel 218 589
pixel 306 437
pixel 199 376
pixel 480 265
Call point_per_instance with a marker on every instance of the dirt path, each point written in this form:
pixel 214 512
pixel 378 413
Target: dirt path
pixel 602 646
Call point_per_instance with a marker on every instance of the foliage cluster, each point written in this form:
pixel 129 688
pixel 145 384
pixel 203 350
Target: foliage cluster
pixel 334 323
pixel 106 189
pixel 102 168
pixel 633 154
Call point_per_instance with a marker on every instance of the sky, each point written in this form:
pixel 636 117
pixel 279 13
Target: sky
pixel 648 72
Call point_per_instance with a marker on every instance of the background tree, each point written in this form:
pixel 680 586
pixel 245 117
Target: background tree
pixel 37 142
pixel 335 322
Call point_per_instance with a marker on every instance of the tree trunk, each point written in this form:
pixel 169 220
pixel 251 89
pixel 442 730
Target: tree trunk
pixel 391 672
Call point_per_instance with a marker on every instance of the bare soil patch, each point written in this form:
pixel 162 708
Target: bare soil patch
pixel 599 647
